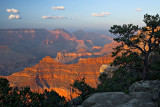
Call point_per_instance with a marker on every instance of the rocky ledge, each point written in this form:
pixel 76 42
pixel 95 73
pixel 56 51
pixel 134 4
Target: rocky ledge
pixel 141 94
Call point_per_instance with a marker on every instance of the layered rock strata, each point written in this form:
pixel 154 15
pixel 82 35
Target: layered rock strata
pixel 49 74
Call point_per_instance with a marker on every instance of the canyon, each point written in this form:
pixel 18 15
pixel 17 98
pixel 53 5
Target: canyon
pixel 53 60
pixel 20 48
pixel 51 75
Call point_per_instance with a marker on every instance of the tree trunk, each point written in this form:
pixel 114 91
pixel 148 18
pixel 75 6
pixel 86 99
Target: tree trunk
pixel 145 68
pixel 144 72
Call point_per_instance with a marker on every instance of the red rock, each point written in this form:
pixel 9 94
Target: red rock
pixel 48 74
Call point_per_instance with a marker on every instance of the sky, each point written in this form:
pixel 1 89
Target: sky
pixel 74 14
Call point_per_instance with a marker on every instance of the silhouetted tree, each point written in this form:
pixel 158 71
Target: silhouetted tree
pixel 53 99
pixel 145 42
pixel 4 91
pixel 4 87
pixel 24 97
pixel 84 88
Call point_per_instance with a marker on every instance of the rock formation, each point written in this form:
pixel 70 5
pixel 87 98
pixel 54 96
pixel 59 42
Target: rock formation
pixel 108 48
pixel 68 58
pixel 74 57
pixel 49 74
pixel 108 70
pixel 142 94
pixel 39 43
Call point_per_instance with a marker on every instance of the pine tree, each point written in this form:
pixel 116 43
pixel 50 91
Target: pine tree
pixel 137 42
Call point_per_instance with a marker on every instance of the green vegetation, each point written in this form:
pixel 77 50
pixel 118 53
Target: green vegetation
pixel 141 44
pixel 4 87
pixel 138 57
pixel 120 81
pixel 85 89
pixel 25 98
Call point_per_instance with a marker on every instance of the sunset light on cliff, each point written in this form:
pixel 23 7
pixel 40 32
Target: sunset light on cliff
pixel 79 53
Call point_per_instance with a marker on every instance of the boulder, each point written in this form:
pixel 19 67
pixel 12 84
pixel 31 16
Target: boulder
pixel 103 68
pixel 151 87
pixel 119 99
pixel 145 86
pixel 106 99
pixel 108 70
pixel 138 103
pixel 142 94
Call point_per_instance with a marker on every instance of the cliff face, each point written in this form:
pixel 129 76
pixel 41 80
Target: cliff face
pixel 97 40
pixel 67 58
pixel 108 48
pixel 31 45
pixel 48 74
pixel 96 51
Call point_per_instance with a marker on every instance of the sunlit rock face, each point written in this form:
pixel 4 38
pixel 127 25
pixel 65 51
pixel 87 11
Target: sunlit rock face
pixel 67 58
pixel 103 68
pixel 108 70
pixel 49 74
pixel 82 53
pixel 25 47
pixel 108 48
pixel 21 48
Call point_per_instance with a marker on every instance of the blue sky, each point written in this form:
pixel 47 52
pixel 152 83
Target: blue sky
pixel 74 14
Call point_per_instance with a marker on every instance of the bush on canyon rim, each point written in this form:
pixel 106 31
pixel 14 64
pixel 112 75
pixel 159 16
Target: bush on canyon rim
pixel 24 97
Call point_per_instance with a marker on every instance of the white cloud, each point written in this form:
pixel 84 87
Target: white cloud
pixel 139 9
pixel 53 17
pixel 100 14
pixel 58 8
pixel 12 10
pixel 14 16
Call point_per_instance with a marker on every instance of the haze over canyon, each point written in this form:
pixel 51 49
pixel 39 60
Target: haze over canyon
pixel 43 59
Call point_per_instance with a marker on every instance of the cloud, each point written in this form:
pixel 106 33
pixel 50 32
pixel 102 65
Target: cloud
pixel 58 8
pixel 14 16
pixel 53 17
pixel 139 9
pixel 100 14
pixel 12 10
